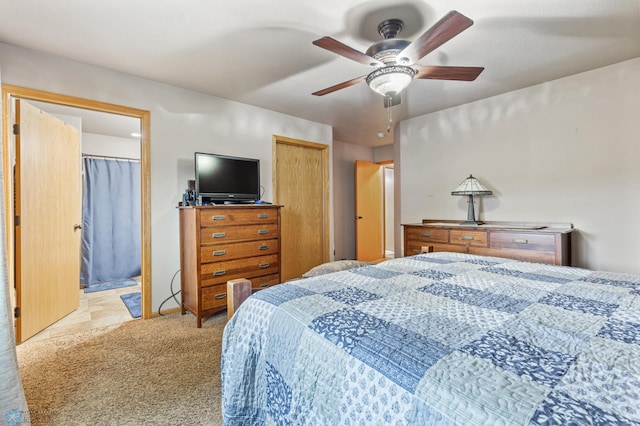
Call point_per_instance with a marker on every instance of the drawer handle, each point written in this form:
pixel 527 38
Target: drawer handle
pixel 219 273
pixel 220 296
pixel 263 247
pixel 219 252
pixel 467 237
pixel 263 265
pixel 263 231
pixel 219 235
pixel 265 285
pixel 520 241
pixel 263 216
pixel 426 234
pixel 219 217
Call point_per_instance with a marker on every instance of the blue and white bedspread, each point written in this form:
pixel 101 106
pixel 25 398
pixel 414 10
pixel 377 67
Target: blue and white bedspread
pixel 438 338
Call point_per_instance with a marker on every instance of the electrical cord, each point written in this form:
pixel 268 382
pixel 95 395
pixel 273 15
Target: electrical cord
pixel 172 295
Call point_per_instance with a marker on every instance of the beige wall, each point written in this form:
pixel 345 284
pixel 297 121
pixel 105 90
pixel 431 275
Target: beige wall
pixel 383 153
pixel 563 151
pixel 182 122
pixel 110 146
pixel 344 158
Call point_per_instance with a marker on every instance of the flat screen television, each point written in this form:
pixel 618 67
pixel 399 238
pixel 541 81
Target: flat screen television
pixel 222 179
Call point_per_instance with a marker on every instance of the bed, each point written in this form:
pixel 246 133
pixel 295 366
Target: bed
pixel 437 338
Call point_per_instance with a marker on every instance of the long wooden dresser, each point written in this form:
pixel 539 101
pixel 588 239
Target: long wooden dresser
pixel 533 242
pixel 222 243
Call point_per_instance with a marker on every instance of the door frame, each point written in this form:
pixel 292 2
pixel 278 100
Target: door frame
pixel 9 92
pixel 326 223
pixel 388 164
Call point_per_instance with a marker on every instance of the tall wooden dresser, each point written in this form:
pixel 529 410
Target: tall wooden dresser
pixel 532 242
pixel 222 243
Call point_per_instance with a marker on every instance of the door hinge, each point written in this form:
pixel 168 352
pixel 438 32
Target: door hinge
pixel 16 312
pixel 16 221
pixel 16 129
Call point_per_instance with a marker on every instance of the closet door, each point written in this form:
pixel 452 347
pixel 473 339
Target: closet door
pixel 47 236
pixel 301 185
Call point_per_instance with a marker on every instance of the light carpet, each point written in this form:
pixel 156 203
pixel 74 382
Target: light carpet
pixel 162 371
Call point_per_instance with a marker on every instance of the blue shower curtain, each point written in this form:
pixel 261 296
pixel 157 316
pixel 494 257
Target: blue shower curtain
pixel 111 220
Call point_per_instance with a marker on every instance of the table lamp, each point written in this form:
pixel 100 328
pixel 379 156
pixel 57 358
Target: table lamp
pixel 470 187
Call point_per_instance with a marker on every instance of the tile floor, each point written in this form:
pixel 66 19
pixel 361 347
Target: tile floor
pixel 97 309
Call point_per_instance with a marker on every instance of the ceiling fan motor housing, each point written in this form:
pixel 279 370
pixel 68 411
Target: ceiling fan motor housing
pixel 390 28
pixel 387 50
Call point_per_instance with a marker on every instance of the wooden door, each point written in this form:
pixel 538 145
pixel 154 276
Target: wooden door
pixel 301 186
pixel 47 209
pixel 369 195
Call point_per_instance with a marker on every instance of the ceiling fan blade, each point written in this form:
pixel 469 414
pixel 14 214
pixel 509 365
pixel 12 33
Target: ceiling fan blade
pixel 342 49
pixel 339 86
pixel 442 31
pixel 395 100
pixel 448 73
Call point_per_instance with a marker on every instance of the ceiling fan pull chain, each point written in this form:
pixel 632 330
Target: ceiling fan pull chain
pixel 388 113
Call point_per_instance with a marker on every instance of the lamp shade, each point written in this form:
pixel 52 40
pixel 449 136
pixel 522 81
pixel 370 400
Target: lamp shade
pixel 390 79
pixel 471 186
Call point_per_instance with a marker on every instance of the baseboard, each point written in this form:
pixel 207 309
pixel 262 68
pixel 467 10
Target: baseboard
pixel 155 314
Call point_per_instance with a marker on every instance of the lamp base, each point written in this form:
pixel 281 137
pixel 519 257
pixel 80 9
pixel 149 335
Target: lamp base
pixel 471 214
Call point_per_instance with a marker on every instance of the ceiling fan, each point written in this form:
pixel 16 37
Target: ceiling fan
pixel 395 59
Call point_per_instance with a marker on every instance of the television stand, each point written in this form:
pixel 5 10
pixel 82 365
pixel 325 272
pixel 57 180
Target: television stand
pixel 223 243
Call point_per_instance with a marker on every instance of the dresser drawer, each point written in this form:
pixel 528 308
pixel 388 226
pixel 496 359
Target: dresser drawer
pixel 427 234
pixel 221 272
pixel 260 283
pixel 237 216
pixel 225 234
pixel 218 253
pixel 524 255
pixel 523 241
pixel 214 296
pixel 471 238
pixel 415 247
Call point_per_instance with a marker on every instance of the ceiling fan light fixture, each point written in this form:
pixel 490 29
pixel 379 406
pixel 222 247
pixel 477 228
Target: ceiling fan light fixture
pixel 391 79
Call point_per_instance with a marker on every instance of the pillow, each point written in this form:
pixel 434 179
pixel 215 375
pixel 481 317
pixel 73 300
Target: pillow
pixel 338 265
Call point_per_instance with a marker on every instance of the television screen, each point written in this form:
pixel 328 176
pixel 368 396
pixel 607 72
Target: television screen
pixel 222 178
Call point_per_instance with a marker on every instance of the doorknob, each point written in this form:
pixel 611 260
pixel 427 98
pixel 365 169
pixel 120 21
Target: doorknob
pixel 76 227
pixel 358 217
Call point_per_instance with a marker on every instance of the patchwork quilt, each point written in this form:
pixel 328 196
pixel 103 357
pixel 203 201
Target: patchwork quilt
pixel 437 338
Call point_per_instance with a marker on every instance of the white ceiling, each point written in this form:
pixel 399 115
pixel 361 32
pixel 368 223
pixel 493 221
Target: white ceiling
pixel 261 53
